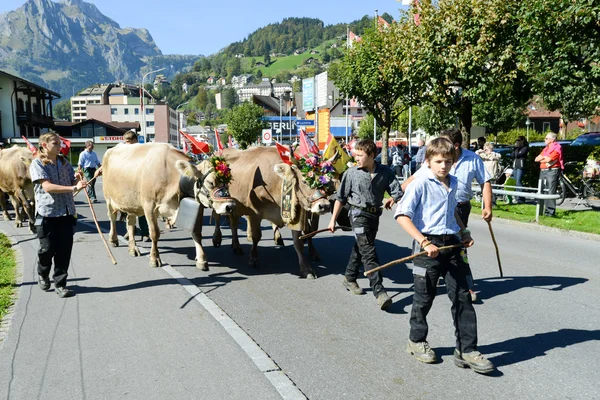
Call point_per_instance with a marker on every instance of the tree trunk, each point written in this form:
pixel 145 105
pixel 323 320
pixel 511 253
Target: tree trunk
pixel 466 119
pixel 385 133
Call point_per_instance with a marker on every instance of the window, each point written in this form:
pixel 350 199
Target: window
pixel 87 131
pixel 149 124
pixel 546 126
pixel 99 130
pixel 126 111
pixel 149 111
pixel 113 111
pixel 359 110
pixel 136 111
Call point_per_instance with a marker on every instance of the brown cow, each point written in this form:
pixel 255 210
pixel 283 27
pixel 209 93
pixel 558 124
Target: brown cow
pixel 15 181
pixel 257 188
pixel 150 179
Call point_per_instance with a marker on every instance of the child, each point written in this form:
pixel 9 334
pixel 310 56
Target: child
pixel 362 188
pixel 428 213
pixel 510 181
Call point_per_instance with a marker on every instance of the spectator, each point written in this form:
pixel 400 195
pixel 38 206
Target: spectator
pixel 519 156
pixel 509 184
pixel 551 160
pixel 490 159
pixel 420 156
pixel 480 143
pixel 88 162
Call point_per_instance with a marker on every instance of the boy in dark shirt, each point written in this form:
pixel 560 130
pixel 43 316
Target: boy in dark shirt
pixel 362 189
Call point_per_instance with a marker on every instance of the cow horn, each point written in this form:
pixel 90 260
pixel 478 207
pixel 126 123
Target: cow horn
pixel 292 157
pixel 335 156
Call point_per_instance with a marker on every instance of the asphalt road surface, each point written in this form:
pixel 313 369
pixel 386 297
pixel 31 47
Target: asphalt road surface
pixel 539 324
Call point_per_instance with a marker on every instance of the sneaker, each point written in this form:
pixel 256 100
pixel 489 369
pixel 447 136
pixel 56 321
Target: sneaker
pixel 63 292
pixel 473 296
pixel 352 287
pixel 474 360
pixel 43 283
pixel 384 300
pixel 421 351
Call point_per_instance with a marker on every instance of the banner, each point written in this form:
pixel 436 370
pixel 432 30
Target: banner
pixel 307 146
pixel 321 85
pixel 218 139
pixel 284 153
pixel 65 145
pixel 30 146
pixel 196 146
pixel 308 94
pixel 342 158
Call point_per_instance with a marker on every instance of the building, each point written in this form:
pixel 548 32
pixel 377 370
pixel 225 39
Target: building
pixel 239 81
pixel 264 88
pixel 96 94
pixel 160 81
pixel 25 108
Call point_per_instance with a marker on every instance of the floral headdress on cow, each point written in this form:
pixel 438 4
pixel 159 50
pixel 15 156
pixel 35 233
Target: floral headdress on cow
pixel 317 173
pixel 222 169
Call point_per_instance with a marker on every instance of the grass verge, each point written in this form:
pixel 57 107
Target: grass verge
pixel 8 272
pixel 573 220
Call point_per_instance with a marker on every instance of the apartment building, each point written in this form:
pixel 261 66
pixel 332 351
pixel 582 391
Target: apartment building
pixel 97 94
pixel 264 88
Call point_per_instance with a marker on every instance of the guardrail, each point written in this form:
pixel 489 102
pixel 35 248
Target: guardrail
pixel 527 192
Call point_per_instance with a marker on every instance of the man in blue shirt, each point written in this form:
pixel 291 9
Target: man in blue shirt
pixel 88 162
pixel 427 212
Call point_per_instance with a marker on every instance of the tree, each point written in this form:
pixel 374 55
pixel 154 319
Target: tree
pixel 371 71
pixel 267 59
pixel 229 98
pixel 201 98
pixel 259 74
pixel 62 110
pixel 365 128
pixel 245 123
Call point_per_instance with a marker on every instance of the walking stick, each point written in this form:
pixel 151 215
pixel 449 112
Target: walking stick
pixel 98 227
pixel 309 235
pixel 405 259
pixel 90 181
pixel 496 246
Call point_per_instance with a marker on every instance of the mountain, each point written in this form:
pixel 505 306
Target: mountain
pixel 70 45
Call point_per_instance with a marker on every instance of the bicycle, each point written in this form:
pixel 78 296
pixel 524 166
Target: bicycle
pixel 590 188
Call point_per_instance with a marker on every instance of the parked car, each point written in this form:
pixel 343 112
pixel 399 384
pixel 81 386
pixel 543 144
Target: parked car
pixel 587 139
pixel 563 143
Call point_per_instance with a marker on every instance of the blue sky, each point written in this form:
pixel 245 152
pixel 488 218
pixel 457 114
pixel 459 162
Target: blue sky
pixel 204 27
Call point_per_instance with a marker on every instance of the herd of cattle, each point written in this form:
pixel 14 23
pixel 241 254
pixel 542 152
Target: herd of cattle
pixel 151 180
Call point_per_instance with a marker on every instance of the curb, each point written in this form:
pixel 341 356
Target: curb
pixel 6 321
pixel 543 228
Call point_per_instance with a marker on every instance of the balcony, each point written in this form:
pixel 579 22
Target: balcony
pixel 34 119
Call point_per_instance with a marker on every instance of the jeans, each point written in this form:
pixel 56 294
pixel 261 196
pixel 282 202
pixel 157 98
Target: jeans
pixel 365 228
pixel 549 179
pixel 426 271
pixel 519 178
pixel 56 243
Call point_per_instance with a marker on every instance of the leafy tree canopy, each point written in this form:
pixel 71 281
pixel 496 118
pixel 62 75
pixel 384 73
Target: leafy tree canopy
pixel 245 124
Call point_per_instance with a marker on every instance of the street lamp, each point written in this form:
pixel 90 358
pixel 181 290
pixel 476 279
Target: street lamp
pixel 287 98
pixel 527 123
pixel 178 122
pixel 142 103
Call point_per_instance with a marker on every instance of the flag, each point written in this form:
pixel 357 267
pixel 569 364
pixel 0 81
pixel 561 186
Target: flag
pixel 306 145
pixel 231 143
pixel 195 146
pixel 30 146
pixel 332 146
pixel 185 147
pixel 284 153
pixel 351 146
pixel 65 145
pixel 218 139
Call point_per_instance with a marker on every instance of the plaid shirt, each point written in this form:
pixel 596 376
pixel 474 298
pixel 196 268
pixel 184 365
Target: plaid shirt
pixel 53 204
pixel 359 190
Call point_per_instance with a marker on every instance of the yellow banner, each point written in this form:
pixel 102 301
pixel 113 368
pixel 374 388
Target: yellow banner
pixel 342 158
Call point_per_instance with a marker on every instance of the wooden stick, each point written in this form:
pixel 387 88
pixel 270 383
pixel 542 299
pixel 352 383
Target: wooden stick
pixel 405 259
pixel 496 246
pixel 90 181
pixel 311 234
pixel 98 227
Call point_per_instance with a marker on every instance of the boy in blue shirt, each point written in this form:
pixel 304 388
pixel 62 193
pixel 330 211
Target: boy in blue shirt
pixel 428 213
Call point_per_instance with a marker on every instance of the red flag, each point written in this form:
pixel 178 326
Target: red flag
pixel 186 148
pixel 218 139
pixel 196 146
pixel 30 146
pixel 284 153
pixel 306 145
pixel 231 143
pixel 65 145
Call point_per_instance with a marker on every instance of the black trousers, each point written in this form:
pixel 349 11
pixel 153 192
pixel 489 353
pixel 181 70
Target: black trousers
pixel 365 227
pixel 426 271
pixel 56 243
pixel 549 179
pixel 88 173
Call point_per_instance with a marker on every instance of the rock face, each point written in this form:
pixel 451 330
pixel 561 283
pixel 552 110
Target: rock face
pixel 69 45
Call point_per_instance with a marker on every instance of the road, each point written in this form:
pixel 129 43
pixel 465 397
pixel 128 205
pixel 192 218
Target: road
pixel 539 324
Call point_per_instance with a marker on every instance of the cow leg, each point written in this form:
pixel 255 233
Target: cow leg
pixel 152 217
pixel 254 228
pixel 112 217
pixel 28 211
pixel 5 213
pixel 134 251
pixel 277 235
pixel 17 206
pixel 305 269
pixel 235 240
pixel 201 262
pixel 217 235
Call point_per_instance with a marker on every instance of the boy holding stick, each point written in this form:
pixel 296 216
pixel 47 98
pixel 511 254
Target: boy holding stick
pixel 428 213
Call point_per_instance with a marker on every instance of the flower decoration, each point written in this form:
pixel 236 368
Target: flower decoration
pixel 222 169
pixel 318 174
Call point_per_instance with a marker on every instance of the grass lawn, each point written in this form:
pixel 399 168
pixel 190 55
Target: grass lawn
pixel 8 268
pixel 573 220
pixel 279 64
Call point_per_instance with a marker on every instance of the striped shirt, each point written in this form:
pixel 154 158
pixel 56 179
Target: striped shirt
pixel 89 159
pixel 429 205
pixel 359 190
pixel 53 204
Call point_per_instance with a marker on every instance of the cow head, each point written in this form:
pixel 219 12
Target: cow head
pixel 208 190
pixel 308 198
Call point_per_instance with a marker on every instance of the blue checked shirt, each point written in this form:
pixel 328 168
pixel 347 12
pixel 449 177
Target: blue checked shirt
pixel 88 159
pixel 359 190
pixel 52 204
pixel 468 167
pixel 429 205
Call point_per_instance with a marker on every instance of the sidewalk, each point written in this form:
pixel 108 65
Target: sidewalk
pixel 130 332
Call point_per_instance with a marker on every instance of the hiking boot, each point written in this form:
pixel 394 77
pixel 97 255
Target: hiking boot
pixel 474 360
pixel 352 287
pixel 384 300
pixel 421 351
pixel 43 283
pixel 473 296
pixel 63 292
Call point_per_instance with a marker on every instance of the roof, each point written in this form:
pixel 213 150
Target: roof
pixel 121 126
pixel 268 102
pixel 536 110
pixel 52 93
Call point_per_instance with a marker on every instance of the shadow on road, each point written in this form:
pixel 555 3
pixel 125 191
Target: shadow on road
pixel 492 287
